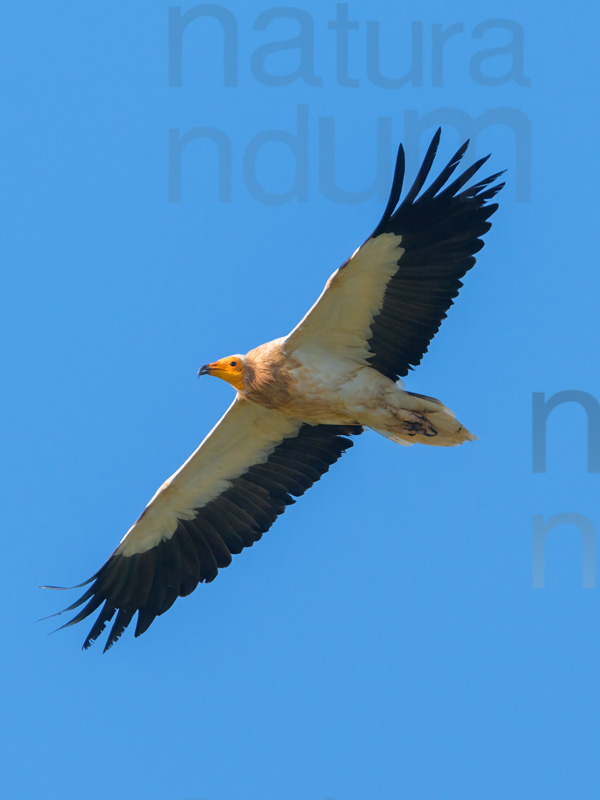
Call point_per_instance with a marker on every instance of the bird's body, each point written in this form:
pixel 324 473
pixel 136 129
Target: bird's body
pixel 318 387
pixel 300 397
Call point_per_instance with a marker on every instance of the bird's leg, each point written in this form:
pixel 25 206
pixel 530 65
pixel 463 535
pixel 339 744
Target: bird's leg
pixel 414 422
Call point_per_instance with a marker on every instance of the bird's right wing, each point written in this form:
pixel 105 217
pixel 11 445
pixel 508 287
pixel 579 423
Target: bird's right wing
pixel 225 496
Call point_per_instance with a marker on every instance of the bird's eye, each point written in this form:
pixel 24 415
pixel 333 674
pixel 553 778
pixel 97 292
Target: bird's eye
pixel 233 363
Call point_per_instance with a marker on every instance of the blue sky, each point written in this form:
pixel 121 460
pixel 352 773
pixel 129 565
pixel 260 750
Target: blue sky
pixel 384 640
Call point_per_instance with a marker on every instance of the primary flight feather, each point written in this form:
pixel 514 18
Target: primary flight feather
pixel 300 397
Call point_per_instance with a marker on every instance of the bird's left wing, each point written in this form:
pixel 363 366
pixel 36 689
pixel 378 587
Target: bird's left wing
pixel 383 306
pixel 225 496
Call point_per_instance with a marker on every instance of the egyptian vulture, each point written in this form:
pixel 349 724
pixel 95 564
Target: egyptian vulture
pixel 299 399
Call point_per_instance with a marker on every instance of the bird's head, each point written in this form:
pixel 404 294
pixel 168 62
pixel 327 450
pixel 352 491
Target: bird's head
pixel 230 369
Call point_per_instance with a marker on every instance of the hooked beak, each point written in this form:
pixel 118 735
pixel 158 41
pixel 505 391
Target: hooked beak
pixel 205 370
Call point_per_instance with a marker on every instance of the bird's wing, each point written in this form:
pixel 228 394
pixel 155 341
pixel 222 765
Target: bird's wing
pixel 225 496
pixel 385 304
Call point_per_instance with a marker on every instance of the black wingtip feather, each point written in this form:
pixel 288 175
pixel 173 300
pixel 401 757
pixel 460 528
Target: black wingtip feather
pixel 102 620
pixel 452 188
pixel 445 174
pixel 396 190
pixel 121 622
pixel 424 170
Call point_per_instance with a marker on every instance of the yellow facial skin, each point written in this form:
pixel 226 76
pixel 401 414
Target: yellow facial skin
pixel 230 369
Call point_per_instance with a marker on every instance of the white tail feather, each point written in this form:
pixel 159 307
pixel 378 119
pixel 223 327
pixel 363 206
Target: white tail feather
pixel 427 421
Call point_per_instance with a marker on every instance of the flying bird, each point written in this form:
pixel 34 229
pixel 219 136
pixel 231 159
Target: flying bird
pixel 299 398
